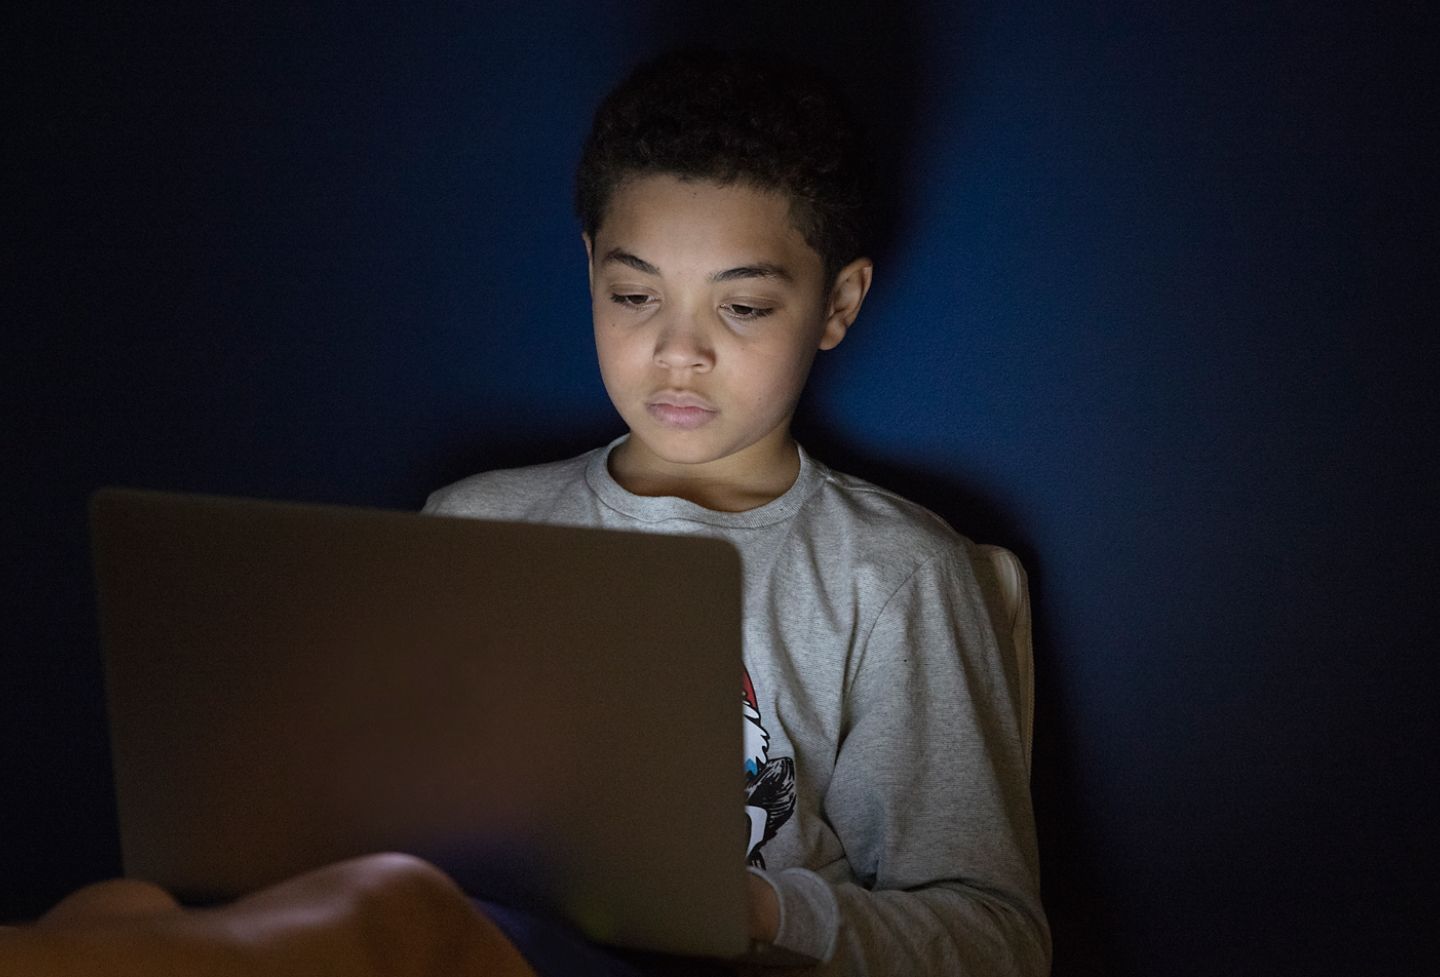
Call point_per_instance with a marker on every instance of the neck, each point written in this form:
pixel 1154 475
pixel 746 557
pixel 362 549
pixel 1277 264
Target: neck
pixel 716 485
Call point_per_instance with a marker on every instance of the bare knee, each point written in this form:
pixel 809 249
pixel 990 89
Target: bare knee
pixel 392 876
pixel 417 920
pixel 379 914
pixel 111 899
pixel 404 884
pixel 408 911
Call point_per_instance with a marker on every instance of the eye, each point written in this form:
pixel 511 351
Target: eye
pixel 742 311
pixel 635 300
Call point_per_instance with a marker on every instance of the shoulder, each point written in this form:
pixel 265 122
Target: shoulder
pixel 510 493
pixel 869 519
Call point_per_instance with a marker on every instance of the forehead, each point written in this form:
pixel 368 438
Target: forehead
pixel 666 220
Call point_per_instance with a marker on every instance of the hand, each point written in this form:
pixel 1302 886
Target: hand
pixel 764 910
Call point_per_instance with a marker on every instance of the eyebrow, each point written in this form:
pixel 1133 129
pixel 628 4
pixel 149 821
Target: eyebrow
pixel 630 260
pixel 763 269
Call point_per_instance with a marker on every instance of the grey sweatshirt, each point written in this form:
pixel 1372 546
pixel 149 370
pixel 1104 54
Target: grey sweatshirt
pixel 887 795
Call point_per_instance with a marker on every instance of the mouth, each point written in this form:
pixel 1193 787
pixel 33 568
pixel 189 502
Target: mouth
pixel 681 409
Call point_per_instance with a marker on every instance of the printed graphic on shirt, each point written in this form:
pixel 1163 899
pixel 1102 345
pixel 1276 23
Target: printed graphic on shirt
pixel 769 783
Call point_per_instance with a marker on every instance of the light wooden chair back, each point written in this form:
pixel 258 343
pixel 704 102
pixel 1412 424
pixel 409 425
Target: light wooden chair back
pixel 1014 612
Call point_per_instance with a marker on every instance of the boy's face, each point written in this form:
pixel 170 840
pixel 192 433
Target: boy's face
pixel 709 307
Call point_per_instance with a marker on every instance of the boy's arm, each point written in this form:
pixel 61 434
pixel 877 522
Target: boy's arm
pixel 930 799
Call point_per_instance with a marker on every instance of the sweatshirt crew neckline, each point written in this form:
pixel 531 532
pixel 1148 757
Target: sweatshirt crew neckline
pixel 661 508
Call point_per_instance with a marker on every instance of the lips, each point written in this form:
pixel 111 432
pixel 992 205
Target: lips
pixel 682 398
pixel 681 409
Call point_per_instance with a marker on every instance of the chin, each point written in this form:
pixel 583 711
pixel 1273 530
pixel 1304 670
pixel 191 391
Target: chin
pixel 697 455
pixel 682 447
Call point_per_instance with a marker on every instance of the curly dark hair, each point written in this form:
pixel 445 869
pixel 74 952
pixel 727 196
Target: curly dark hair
pixel 703 114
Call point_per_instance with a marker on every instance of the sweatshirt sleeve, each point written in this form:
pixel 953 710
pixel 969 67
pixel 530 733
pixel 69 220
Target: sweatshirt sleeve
pixel 930 799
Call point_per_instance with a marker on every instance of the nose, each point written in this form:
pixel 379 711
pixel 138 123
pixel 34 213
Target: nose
pixel 683 346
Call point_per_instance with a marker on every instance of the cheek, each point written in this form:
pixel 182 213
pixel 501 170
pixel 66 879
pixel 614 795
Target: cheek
pixel 620 350
pixel 775 379
pixel 788 363
pixel 791 373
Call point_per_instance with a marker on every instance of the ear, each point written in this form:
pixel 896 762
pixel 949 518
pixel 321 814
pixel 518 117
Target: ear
pixel 589 260
pixel 852 284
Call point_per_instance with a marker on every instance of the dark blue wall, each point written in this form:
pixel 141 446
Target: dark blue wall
pixel 1154 307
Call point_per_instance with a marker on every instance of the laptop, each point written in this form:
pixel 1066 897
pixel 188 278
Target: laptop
pixel 548 714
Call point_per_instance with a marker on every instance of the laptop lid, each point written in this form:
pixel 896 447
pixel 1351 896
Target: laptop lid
pixel 546 713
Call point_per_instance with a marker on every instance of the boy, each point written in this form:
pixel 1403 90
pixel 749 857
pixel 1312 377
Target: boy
pixel 888 813
pixel 888 809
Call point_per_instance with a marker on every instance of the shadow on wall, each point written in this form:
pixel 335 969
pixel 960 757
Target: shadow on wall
pixel 873 53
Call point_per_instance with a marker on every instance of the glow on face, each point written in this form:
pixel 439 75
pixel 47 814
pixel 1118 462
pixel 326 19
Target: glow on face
pixel 708 310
